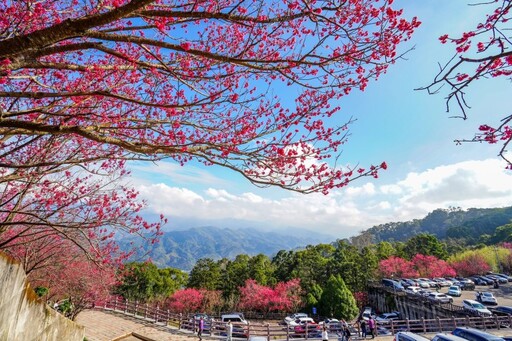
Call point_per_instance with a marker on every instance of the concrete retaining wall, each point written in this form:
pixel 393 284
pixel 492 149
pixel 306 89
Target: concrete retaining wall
pixel 23 316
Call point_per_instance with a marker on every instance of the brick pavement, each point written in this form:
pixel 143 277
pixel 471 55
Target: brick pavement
pixel 110 326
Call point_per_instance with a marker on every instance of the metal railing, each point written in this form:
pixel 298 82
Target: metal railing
pixel 276 331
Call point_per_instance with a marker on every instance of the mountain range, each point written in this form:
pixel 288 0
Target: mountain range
pixel 182 248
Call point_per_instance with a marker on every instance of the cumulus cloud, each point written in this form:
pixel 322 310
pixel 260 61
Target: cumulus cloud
pixel 346 212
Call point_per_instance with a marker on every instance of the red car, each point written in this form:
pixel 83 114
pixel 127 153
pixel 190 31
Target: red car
pixel 301 328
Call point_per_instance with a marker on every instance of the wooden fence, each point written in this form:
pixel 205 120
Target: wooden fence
pixel 276 331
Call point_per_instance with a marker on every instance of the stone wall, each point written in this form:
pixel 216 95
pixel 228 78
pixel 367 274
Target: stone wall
pixel 23 316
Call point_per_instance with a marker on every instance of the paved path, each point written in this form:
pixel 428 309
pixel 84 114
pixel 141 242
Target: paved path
pixel 109 326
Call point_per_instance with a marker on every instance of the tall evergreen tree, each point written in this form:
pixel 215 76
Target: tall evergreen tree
pixel 337 300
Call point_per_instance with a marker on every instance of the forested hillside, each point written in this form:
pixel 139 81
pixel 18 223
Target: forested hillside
pixel 475 225
pixel 181 249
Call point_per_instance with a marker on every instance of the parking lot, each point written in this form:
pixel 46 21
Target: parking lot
pixel 503 294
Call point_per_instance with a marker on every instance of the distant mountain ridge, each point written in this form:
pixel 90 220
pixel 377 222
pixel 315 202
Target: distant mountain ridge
pixel 182 248
pixel 455 223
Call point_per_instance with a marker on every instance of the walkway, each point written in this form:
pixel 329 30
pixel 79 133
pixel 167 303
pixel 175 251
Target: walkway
pixel 109 326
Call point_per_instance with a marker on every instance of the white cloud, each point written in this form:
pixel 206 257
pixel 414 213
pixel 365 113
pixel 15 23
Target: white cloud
pixel 347 212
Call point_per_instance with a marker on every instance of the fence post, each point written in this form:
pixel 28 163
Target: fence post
pixel 439 324
pixel 248 329
pixel 268 332
pixel 454 322
pixel 496 321
pixel 408 324
pixel 483 322
pixel 468 322
pixel 424 326
pixel 306 330
pixel 126 307
pixel 156 314
pixel 288 332
pixel 392 328
pixel 115 304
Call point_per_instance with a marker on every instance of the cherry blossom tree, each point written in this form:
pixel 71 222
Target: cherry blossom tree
pixel 431 266
pixel 471 264
pixel 247 85
pixel 284 297
pixel 482 53
pixel 72 278
pixel 397 267
pixel 185 301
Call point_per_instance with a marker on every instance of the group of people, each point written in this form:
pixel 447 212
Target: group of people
pixel 200 328
pixel 367 327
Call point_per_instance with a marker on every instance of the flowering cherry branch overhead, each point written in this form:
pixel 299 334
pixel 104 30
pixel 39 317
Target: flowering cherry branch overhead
pixel 247 85
pixel 482 53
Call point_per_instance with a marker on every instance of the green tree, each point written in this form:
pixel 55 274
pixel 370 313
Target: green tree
pixel 261 270
pixel 283 264
pixel 337 300
pixel 384 250
pixel 311 265
pixel 502 234
pixel 145 282
pixel 206 274
pixel 313 297
pixel 426 244
pixel 346 261
pixel 235 275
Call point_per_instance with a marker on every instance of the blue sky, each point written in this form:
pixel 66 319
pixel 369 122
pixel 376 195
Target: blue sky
pixel 408 129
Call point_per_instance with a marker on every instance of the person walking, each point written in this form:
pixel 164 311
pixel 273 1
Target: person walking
pixel 229 331
pixel 371 325
pixel 346 333
pixel 200 329
pixel 363 328
pixel 325 334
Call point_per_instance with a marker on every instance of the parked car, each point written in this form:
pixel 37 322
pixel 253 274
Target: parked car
pixel 408 336
pixel 475 334
pixel 301 320
pixel 487 280
pixel 309 326
pixel 332 324
pixel 387 317
pixel 392 284
pixel 507 277
pixel 455 291
pixel 438 297
pixel 293 317
pixel 501 310
pixel 235 318
pixel 413 290
pixel 475 308
pixel 466 284
pixel 447 337
pixel 477 280
pixel 367 312
pixel 500 279
pixel 486 297
pixel 423 283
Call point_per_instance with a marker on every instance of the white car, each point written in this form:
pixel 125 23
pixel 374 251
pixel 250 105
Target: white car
pixel 454 290
pixel 413 290
pixel 293 317
pixel 301 321
pixel 476 307
pixel 387 317
pixel 486 297
pixel 438 297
